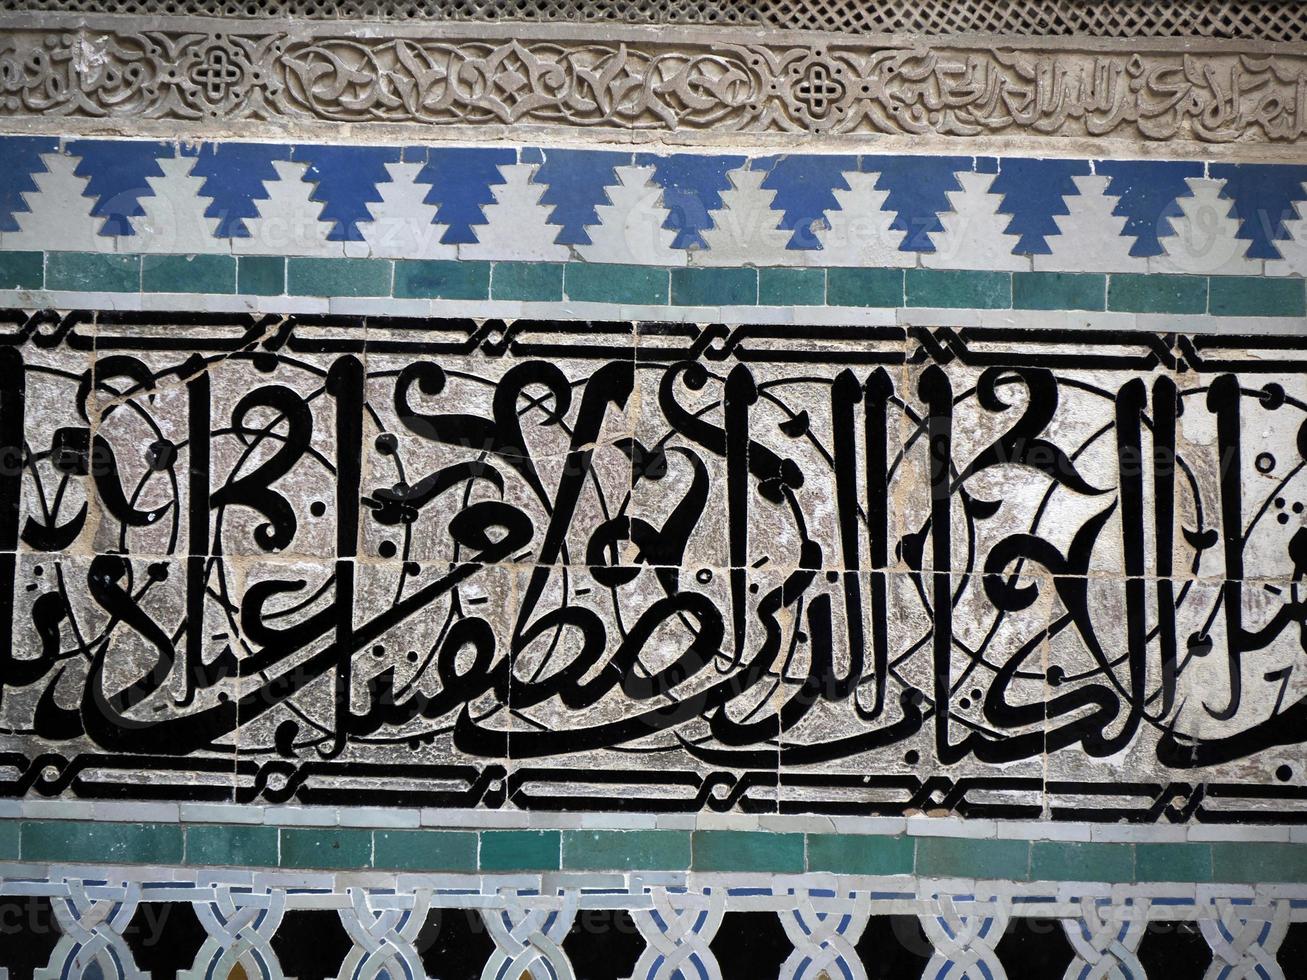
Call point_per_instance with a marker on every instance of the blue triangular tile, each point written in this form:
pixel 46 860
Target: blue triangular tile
pixel 1263 198
pixel 918 191
pixel 1147 192
pixel 460 179
pixel 22 158
pixel 692 186
pixel 1034 193
pixel 346 179
pixel 234 176
pixel 118 170
pixel 805 187
pixel 575 182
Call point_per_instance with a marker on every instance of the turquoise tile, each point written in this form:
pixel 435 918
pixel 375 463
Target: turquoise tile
pixel 954 289
pixel 1173 862
pixel 1257 862
pixel 520 850
pixel 644 285
pixel 791 287
pixel 238 846
pixel 188 274
pixel 100 842
pixel 93 272
pixel 864 287
pixel 425 850
pixel 861 854
pixel 527 282
pixel 1255 296
pixel 622 850
pixel 1081 861
pixel 326 848
pixel 441 279
pixel 261 275
pixel 338 277
pixel 22 270
pixel 9 840
pixel 714 287
pixel 747 850
pixel 955 857
pixel 1058 291
pixel 1156 294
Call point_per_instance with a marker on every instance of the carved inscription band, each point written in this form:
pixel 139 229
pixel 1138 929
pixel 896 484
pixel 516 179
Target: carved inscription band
pixel 681 82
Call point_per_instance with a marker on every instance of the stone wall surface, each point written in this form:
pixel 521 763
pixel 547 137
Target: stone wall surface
pixel 542 501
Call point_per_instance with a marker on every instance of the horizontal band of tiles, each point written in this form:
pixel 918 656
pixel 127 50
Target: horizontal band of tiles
pixel 526 204
pixel 719 851
pixel 653 286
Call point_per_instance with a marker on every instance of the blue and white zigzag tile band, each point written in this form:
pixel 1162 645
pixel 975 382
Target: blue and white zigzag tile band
pixel 709 209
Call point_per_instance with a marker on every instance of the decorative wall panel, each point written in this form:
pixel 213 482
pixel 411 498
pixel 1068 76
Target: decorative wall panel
pixel 826 554
pixel 641 82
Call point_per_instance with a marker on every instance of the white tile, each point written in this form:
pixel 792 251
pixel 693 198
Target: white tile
pixel 630 227
pixel 350 816
pixel 746 229
pixel 300 816
pixel 1090 237
pixel 289 221
pixel 174 221
pixel 58 215
pixel 1204 236
pixel 975 235
pixel 517 227
pixel 131 811
pixel 403 225
pixel 950 827
pixel 221 813
pixel 858 233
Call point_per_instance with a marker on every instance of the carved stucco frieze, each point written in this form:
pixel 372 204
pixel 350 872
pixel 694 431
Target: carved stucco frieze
pixel 669 82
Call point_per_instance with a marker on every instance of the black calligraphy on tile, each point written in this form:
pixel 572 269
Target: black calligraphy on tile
pixel 662 567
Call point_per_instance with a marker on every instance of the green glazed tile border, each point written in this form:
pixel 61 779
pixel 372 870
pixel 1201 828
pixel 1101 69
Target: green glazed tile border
pixel 526 281
pixel 1058 291
pixel 865 287
pixel 22 270
pixel 714 287
pixel 93 272
pixel 1157 294
pixel 791 287
pixel 338 277
pixel 100 842
pixel 261 275
pixel 425 850
pixel 326 847
pixel 861 855
pixel 1076 861
pixel 1253 296
pixel 626 850
pixel 240 846
pixel 954 857
pixel 635 285
pixel 441 279
pixel 469 850
pixel 188 274
pixel 744 850
pixel 959 290
pixel 1257 863
pixel 643 284
pixel 1173 862
pixel 521 850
